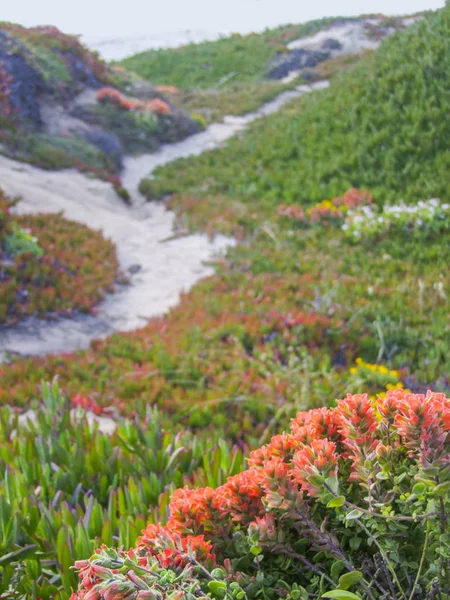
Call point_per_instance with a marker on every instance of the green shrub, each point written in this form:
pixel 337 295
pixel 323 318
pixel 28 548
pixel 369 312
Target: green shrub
pixel 66 487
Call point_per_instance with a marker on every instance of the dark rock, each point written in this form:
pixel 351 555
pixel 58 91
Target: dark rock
pixel 109 144
pixel 134 269
pixel 176 127
pixel 310 75
pixel 26 85
pixel 296 60
pixel 80 72
pixel 331 44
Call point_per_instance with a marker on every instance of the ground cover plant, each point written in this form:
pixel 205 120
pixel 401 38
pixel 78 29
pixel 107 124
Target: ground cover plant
pixel 351 503
pixel 380 126
pixel 236 99
pixel 245 57
pixel 312 303
pixel 51 266
pixel 67 487
pixel 236 74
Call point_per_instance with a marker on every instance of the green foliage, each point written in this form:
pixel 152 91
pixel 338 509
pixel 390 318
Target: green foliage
pixel 55 152
pixel 235 99
pixel 383 126
pixel 293 318
pixel 66 488
pixel 21 242
pixel 204 65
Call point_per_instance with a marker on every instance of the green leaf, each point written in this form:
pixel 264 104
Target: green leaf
pixel 355 543
pixel 336 568
pixel 341 595
pixel 316 480
pixel 440 490
pixel 419 489
pixel 218 588
pixel 353 514
pixel 336 502
pixel 20 554
pixel 349 579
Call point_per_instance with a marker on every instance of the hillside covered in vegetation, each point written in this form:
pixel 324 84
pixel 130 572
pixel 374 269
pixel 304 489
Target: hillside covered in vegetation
pixel 235 74
pixel 328 321
pixel 381 126
pixel 61 106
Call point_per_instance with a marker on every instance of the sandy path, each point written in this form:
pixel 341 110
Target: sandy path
pixel 139 232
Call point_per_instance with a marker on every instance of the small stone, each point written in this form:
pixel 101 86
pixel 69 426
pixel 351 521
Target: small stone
pixel 134 269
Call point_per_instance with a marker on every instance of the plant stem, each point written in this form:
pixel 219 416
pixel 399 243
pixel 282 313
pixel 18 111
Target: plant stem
pixel 422 560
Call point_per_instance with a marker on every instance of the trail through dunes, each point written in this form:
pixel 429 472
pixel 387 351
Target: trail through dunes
pixel 159 265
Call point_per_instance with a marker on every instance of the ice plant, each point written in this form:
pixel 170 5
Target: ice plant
pixel 330 505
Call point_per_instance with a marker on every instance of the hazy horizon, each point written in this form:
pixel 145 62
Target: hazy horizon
pixel 98 18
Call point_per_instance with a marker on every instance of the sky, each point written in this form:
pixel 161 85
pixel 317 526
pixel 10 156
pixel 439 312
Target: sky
pixel 110 18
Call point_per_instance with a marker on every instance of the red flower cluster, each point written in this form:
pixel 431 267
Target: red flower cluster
pixel 327 452
pixel 87 404
pixel 327 210
pixel 322 442
pixel 113 96
pixel 172 549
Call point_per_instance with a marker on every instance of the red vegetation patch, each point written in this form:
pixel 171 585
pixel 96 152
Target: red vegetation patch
pixel 327 210
pixel 77 268
pixel 114 97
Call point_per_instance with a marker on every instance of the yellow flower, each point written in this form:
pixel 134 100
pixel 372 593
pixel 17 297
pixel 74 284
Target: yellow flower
pixel 353 371
pixel 359 361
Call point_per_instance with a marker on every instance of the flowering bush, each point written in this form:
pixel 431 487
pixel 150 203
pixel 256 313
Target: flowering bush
pixel 114 97
pixel 429 216
pixel 352 497
pixel 328 210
